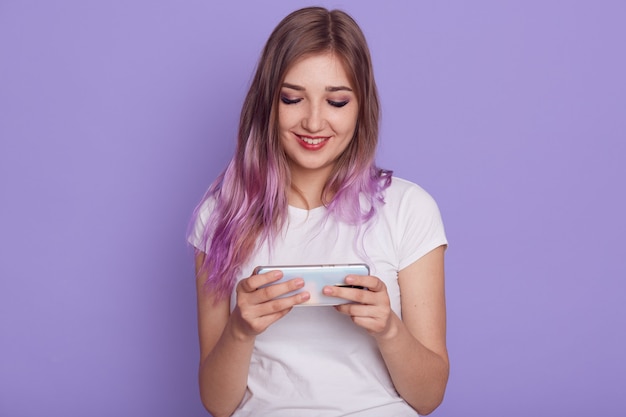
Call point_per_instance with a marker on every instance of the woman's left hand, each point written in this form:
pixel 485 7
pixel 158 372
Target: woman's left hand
pixel 371 308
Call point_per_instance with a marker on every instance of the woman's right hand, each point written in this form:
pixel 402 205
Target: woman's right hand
pixel 257 308
pixel 227 336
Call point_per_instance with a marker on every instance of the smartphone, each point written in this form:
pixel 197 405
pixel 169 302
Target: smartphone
pixel 315 278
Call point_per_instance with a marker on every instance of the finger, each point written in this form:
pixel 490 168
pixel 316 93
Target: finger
pixel 370 318
pixel 370 282
pixel 361 296
pixel 258 317
pixel 278 305
pixel 258 325
pixel 276 290
pixel 252 283
pixel 357 310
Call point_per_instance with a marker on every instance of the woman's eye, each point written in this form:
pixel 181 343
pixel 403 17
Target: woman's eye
pixel 289 100
pixel 337 103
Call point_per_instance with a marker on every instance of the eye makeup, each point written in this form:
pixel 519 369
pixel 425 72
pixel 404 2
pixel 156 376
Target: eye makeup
pixel 288 100
pixel 334 103
pixel 338 103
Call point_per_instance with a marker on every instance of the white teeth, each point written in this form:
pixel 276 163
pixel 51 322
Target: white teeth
pixel 312 141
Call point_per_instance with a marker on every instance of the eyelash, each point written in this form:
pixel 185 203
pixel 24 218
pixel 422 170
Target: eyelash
pixel 289 101
pixel 337 104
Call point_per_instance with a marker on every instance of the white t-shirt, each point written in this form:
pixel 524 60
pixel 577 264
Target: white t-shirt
pixel 316 361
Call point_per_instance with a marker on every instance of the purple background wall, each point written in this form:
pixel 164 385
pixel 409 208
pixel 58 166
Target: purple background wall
pixel 115 116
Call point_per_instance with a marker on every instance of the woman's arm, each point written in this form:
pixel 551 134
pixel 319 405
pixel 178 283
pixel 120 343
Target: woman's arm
pixel 227 339
pixel 224 355
pixel 414 348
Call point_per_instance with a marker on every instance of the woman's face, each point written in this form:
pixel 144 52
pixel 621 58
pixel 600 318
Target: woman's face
pixel 317 114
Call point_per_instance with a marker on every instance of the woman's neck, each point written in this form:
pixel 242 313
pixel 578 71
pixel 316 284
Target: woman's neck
pixel 306 188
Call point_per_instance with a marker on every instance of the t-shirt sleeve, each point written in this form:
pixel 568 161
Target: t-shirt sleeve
pixel 420 227
pixel 199 224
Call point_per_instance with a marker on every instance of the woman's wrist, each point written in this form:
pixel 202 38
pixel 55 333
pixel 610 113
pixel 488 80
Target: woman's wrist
pixel 392 331
pixel 235 330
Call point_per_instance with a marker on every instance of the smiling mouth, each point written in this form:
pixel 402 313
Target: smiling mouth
pixel 312 140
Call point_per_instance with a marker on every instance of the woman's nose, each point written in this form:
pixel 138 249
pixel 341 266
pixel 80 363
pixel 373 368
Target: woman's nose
pixel 314 119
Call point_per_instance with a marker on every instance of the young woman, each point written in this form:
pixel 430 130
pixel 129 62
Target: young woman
pixel 301 189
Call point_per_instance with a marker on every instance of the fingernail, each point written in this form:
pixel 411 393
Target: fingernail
pixel 305 296
pixel 349 279
pixel 327 291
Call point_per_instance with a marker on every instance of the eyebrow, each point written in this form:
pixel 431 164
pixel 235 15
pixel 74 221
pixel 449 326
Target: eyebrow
pixel 329 89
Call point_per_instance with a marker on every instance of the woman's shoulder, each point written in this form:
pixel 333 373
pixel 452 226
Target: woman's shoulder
pixel 404 198
pixel 196 233
pixel 206 205
pixel 401 189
